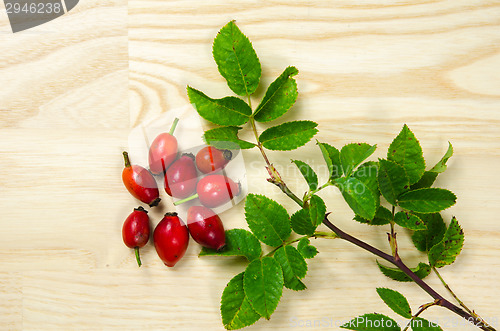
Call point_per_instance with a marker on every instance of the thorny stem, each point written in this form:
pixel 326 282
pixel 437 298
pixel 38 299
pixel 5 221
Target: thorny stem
pixel 440 301
pixel 259 144
pixel 275 177
pixel 473 313
pixel 394 259
pixel 420 311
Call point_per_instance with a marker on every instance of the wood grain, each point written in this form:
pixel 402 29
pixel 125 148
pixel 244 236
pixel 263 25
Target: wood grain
pixel 73 88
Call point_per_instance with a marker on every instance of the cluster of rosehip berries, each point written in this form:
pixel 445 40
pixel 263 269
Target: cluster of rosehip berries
pixel 171 235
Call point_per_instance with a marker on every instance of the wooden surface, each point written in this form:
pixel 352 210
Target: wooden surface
pixel 72 89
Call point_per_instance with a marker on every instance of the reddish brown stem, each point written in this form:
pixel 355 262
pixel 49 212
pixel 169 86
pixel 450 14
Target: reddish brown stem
pixel 440 301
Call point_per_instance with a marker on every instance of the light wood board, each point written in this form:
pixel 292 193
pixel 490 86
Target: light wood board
pixel 72 89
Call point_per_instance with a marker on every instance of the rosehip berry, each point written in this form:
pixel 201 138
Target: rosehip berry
pixel 206 227
pixel 216 190
pixel 181 177
pixel 210 159
pixel 140 183
pixel 135 231
pixel 171 238
pixel 163 151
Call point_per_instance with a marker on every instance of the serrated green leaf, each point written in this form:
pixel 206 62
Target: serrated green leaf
pixel 302 223
pixel 358 197
pixel 430 176
pixel 293 265
pixel 236 59
pixel 239 242
pixel 351 155
pixel 317 209
pixel 326 157
pixel 372 322
pixel 396 301
pixel 422 271
pixel 307 250
pixel 392 180
pixel 225 111
pixel 420 324
pixel 235 308
pixel 267 219
pixel 426 180
pixel 441 165
pixel 308 173
pixel 405 150
pixel 296 285
pixel 288 136
pixel 279 98
pixel 446 251
pixel 226 137
pixel 382 216
pixel 332 159
pixel 436 228
pixel 427 200
pixel 409 221
pixel 367 173
pixel 263 283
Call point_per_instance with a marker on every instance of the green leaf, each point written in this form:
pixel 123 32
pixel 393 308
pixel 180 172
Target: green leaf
pixel 226 137
pixel 382 216
pixel 358 197
pixel 225 111
pixel 317 209
pixel 430 176
pixel 293 265
pixel 326 157
pixel 436 228
pixel 279 98
pixel 302 223
pixel 235 308
pixel 236 59
pixel 367 173
pixel 396 301
pixel 405 150
pixel 263 283
pixel 239 242
pixel 422 271
pixel 372 322
pixel 426 180
pixel 427 200
pixel 420 324
pixel 267 219
pixel 446 251
pixel 409 221
pixel 288 136
pixel 332 159
pixel 441 165
pixel 352 155
pixel 392 180
pixel 308 251
pixel 308 173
